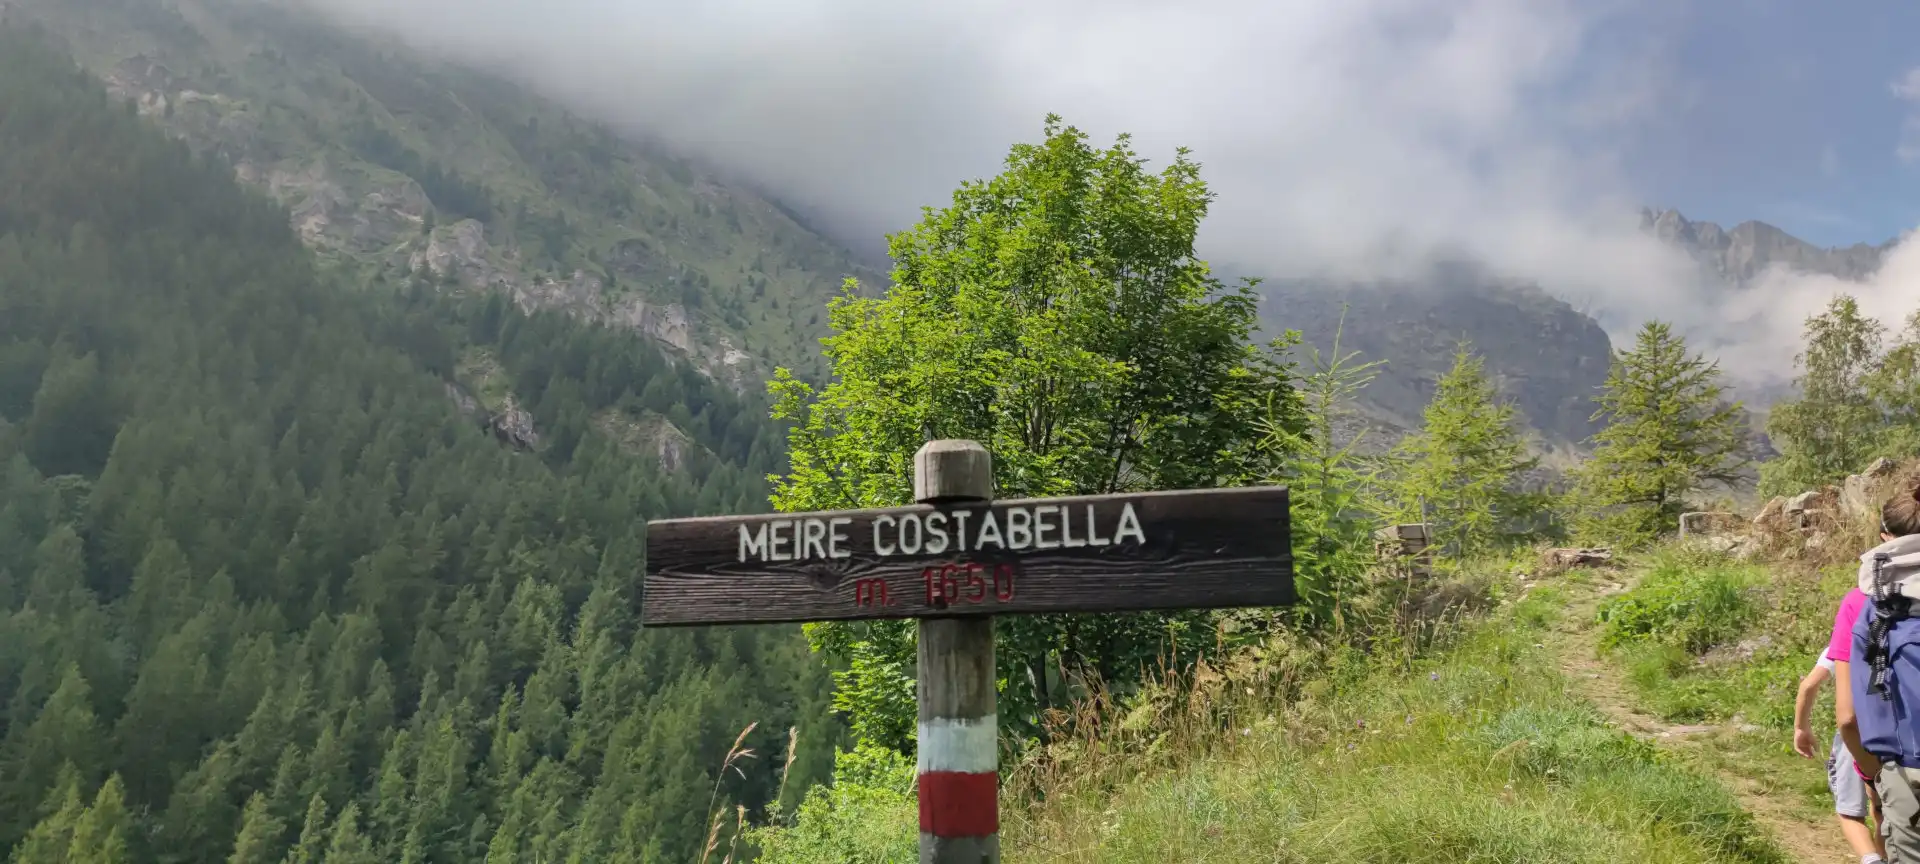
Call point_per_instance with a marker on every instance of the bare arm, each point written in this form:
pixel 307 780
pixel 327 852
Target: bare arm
pixel 1868 764
pixel 1803 710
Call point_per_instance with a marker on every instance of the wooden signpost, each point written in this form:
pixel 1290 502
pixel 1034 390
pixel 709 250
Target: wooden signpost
pixel 955 560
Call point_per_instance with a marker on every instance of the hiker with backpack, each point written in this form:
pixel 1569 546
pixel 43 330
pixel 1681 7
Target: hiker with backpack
pixel 1851 795
pixel 1877 694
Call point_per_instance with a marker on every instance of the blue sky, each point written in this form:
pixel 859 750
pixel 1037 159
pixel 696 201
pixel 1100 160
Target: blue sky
pixel 1793 120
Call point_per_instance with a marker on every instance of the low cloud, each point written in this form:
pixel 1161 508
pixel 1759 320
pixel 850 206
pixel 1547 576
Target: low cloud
pixel 1907 89
pixel 1350 139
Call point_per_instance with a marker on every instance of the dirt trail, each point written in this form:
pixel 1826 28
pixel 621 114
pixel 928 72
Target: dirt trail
pixel 1575 640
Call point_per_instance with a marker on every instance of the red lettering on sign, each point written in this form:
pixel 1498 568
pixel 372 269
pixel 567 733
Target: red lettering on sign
pixel 868 592
pixel 949 584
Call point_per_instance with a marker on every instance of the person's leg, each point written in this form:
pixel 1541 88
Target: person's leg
pixel 1900 806
pixel 1850 802
pixel 1879 819
pixel 1859 837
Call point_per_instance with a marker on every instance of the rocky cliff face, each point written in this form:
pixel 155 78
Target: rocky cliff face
pixel 1749 248
pixel 395 164
pixel 1547 357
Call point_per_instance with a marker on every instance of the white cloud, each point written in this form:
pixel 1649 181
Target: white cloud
pixel 1907 89
pixel 1347 138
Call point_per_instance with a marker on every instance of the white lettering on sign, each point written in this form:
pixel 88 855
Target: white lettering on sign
pixel 835 537
pixel 753 543
pixel 1013 529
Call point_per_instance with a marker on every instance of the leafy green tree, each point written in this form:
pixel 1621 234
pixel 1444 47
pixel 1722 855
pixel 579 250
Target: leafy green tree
pixel 1462 471
pixel 1835 426
pixel 1056 314
pixel 1894 385
pixel 1669 432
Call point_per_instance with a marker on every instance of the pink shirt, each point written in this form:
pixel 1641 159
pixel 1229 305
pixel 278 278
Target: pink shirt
pixel 1840 647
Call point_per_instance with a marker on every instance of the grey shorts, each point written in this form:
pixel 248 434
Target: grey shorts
pixel 1849 791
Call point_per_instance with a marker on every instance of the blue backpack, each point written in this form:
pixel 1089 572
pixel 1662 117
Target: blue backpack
pixel 1885 673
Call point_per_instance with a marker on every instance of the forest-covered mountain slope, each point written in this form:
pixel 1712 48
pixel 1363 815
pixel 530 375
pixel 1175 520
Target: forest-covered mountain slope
pixel 1548 358
pixel 266 593
pixel 391 162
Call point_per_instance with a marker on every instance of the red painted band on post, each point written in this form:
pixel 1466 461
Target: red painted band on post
pixel 959 804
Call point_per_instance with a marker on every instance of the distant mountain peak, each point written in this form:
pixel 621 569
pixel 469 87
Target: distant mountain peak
pixel 1749 248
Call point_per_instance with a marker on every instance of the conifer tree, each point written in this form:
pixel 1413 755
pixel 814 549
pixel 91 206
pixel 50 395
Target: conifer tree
pixel 260 834
pixel 100 834
pixel 1461 472
pixel 278 572
pixel 1669 432
pixel 1330 497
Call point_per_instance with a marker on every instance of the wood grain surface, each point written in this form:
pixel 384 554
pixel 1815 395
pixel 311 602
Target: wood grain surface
pixel 1204 548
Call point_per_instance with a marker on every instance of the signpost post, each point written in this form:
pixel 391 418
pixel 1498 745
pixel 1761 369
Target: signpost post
pixel 953 561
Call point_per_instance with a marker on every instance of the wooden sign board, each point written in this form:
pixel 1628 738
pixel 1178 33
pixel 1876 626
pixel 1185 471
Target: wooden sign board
pixel 1191 549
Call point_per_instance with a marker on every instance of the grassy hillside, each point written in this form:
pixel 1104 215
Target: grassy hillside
pixel 1457 742
pixel 390 163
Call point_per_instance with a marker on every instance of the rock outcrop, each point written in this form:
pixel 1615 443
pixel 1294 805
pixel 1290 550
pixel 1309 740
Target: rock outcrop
pixel 648 434
pixel 1707 524
pixel 1861 495
pixel 1556 560
pixel 514 427
pixel 1749 249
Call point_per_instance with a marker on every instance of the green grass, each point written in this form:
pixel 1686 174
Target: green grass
pixel 1478 751
pixel 1707 640
pixel 1688 604
pixel 1480 754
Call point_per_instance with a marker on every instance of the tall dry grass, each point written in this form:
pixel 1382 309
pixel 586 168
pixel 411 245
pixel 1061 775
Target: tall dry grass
pixel 731 762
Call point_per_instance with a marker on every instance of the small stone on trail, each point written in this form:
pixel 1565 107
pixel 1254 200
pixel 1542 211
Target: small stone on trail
pixel 1687 730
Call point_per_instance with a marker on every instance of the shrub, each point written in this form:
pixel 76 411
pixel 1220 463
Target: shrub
pixel 866 816
pixel 1688 605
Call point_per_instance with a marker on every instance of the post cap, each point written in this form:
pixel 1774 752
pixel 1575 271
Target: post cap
pixel 952 470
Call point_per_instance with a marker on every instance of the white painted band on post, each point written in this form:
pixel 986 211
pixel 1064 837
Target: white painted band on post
pixel 966 746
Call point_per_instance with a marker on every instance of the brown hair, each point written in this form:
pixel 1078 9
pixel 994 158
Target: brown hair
pixel 1900 516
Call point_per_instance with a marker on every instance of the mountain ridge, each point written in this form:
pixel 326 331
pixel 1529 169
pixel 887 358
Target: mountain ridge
pixel 1743 252
pixel 395 163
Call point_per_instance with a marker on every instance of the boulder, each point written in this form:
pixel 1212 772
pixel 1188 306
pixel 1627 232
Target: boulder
pixel 514 427
pixel 1801 510
pixel 1861 496
pixel 1565 559
pixel 1707 524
